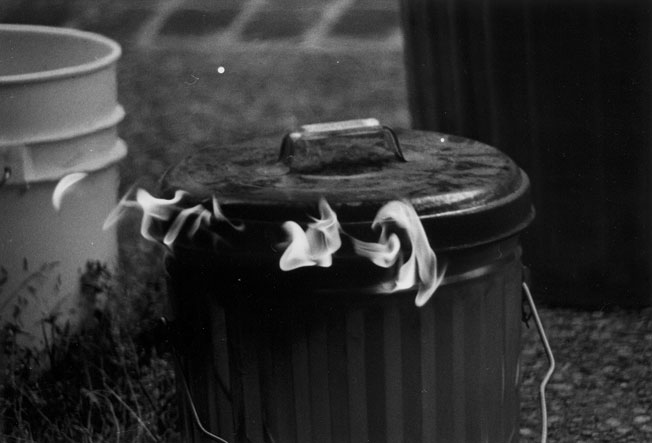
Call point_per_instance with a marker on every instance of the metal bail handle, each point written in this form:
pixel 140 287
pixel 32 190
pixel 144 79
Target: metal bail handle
pixel 549 355
pixel 318 131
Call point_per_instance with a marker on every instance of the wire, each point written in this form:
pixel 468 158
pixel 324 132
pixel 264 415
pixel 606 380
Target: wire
pixel 186 388
pixel 551 368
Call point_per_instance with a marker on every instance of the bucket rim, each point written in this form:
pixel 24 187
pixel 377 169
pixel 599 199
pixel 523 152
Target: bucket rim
pixel 115 52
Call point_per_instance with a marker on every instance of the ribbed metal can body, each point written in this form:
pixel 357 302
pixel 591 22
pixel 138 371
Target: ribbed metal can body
pixel 358 368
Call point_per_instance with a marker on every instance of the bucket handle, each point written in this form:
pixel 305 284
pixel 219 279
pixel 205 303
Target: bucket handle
pixel 549 355
pixel 186 389
pixel 6 175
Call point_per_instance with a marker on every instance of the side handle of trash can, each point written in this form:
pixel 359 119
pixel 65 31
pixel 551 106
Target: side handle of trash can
pixel 186 388
pixel 551 359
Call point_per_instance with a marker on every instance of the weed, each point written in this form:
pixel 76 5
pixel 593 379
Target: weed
pixel 105 380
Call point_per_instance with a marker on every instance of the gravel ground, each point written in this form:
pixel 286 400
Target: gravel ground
pixel 602 388
pixel 176 102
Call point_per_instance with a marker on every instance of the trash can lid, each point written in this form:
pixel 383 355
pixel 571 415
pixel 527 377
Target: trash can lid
pixel 465 192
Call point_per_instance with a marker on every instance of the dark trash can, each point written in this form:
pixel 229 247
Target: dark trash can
pixel 330 353
pixel 565 89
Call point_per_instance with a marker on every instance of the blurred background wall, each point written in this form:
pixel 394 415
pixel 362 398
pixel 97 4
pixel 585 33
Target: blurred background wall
pixel 565 88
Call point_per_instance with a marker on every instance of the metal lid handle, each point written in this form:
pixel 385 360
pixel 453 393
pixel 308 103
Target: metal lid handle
pixel 350 128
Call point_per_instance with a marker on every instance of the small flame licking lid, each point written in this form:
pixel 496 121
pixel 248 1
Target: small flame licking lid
pixel 421 265
pixel 316 246
pixel 186 220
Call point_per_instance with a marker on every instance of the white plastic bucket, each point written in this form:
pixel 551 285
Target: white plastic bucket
pixel 58 115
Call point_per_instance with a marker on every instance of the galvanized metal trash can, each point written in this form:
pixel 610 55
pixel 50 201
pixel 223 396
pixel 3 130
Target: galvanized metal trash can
pixel 326 353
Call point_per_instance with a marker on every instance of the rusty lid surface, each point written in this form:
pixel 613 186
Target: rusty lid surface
pixel 465 192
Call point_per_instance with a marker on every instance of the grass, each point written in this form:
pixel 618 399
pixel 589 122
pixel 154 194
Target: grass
pixel 104 380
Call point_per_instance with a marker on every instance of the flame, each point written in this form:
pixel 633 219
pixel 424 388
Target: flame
pixel 421 266
pixel 384 253
pixel 156 208
pixel 168 210
pixel 64 186
pixel 217 213
pixel 203 215
pixel 119 211
pixel 315 246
